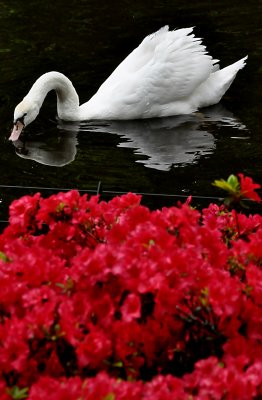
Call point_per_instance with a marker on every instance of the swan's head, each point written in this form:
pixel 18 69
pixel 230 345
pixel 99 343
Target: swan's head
pixel 25 112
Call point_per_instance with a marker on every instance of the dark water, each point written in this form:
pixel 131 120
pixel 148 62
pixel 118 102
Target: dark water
pixel 86 40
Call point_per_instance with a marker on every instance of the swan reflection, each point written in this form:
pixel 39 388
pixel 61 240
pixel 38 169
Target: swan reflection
pixel 160 143
pixel 55 151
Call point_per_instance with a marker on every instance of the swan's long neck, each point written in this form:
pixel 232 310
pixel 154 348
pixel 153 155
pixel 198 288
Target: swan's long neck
pixel 67 98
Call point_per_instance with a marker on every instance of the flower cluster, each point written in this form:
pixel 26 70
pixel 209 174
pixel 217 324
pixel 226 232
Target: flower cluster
pixel 111 301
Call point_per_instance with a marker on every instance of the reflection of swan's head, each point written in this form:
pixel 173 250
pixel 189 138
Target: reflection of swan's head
pixel 25 113
pixel 54 150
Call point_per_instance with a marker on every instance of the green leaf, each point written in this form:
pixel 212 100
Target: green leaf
pixel 233 182
pixel 17 393
pixel 110 396
pixel 118 364
pixel 3 257
pixel 60 207
pixel 222 184
pixel 231 185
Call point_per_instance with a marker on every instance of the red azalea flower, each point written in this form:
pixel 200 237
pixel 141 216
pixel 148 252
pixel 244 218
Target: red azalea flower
pixel 131 309
pixel 22 212
pixel 247 187
pixel 54 389
pixel 13 346
pixel 94 350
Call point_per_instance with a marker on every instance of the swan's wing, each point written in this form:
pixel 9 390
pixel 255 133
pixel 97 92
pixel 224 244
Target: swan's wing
pixel 165 68
pixel 180 64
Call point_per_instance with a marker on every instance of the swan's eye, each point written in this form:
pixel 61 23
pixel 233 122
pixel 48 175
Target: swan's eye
pixel 21 119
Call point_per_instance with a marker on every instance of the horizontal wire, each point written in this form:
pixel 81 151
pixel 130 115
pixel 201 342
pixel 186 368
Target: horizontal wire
pixel 102 192
pixel 109 192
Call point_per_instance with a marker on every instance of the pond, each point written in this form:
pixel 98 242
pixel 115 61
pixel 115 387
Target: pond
pixel 86 40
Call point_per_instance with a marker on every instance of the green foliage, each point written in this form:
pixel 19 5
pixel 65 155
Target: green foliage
pixel 231 185
pixel 3 257
pixel 17 393
pixel 110 396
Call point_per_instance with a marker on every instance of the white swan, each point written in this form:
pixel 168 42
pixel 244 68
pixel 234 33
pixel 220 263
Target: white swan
pixel 169 73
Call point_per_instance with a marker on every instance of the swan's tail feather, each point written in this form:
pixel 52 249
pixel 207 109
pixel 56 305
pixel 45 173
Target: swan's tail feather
pixel 226 75
pixel 229 73
pixel 212 90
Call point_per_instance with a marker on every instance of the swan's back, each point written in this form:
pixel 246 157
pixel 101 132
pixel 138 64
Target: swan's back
pixel 159 78
pixel 177 54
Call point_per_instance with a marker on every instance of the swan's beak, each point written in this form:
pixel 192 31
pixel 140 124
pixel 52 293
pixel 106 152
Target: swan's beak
pixel 17 129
